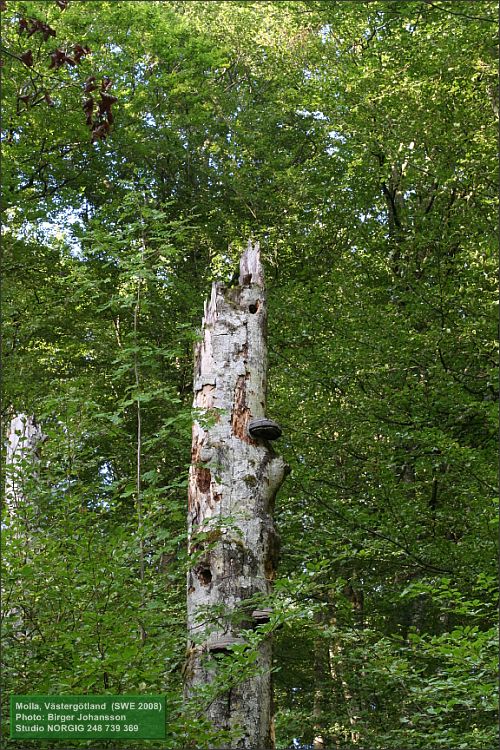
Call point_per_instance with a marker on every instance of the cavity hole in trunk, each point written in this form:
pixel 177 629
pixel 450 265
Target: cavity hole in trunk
pixel 253 308
pixel 205 576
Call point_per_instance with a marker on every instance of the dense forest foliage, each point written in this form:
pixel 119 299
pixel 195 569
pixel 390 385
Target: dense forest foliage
pixel 143 144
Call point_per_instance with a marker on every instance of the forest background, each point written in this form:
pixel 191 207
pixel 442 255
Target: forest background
pixel 357 142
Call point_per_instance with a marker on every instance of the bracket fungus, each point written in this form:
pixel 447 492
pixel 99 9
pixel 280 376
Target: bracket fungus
pixel 223 644
pixel 264 429
pixel 261 616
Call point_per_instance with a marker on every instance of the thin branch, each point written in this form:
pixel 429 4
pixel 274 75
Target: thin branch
pixel 457 13
pixel 418 560
pixel 11 54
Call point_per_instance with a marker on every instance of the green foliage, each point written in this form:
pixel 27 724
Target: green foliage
pixel 357 141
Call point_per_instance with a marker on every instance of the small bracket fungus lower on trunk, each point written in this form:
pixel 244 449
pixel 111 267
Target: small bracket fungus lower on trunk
pixel 233 480
pixel 223 644
pixel 261 616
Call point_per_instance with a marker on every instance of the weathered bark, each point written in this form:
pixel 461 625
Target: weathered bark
pixel 232 485
pixel 21 463
pixel 22 457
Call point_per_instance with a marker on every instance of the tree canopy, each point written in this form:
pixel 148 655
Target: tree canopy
pixel 143 143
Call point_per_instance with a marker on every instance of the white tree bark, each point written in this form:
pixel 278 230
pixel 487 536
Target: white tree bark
pixel 232 485
pixel 21 462
pixel 22 458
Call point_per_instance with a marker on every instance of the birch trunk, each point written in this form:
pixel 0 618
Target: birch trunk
pixel 232 485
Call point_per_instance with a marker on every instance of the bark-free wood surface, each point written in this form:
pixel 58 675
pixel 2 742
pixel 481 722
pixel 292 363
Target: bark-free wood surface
pixel 232 485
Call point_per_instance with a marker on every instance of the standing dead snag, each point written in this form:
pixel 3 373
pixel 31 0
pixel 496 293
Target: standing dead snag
pixel 233 481
pixel 22 459
pixel 21 463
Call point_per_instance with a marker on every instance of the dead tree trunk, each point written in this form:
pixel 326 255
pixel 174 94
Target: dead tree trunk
pixel 233 481
pixel 22 458
pixel 21 463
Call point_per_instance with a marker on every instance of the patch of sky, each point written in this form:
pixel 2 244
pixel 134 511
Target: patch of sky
pixel 140 69
pixel 163 275
pixel 378 216
pixel 337 139
pixel 324 32
pixel 149 119
pixel 106 474
pixel 315 114
pixel 59 228
pixel 16 137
